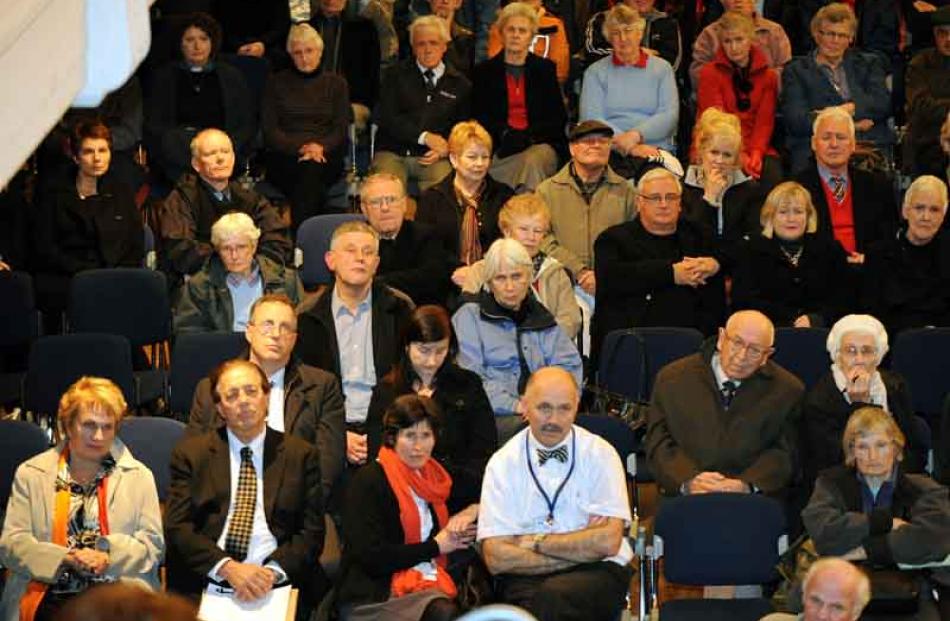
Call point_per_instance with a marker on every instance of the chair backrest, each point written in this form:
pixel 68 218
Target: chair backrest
pixel 313 240
pixel 615 431
pixel 129 301
pixel 19 323
pixel 802 351
pixel 193 357
pixel 720 539
pixel 920 356
pixel 56 362
pixel 151 440
pixel 630 359
pixel 19 440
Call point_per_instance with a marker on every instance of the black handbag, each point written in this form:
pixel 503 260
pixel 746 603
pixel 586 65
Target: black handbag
pixel 630 409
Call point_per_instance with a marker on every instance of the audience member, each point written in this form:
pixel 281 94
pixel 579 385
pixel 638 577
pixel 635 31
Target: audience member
pixel 252 29
pixel 227 534
pixel 527 219
pixel 352 50
pixel 505 334
pixel 835 75
pixel 550 40
pixel 304 401
pixel 411 257
pixel 304 115
pixel 463 208
pixel 516 97
pixel 833 588
pixel 723 420
pixel 567 560
pixel 739 81
pixel 945 145
pixel 421 100
pixel 128 602
pixel 194 93
pixel 661 34
pixel 398 531
pixel 769 36
pixel 585 198
pixel 656 269
pixel 928 100
pixel 460 52
pixel 907 282
pixel 82 513
pixel 219 296
pixel 86 220
pixel 426 367
pixel 632 91
pixel 722 199
pixel 788 272
pixel 856 344
pixel 201 198
pixel 352 328
pixel 855 207
pixel 870 510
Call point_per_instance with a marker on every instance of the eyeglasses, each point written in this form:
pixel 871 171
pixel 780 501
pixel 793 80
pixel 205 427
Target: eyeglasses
pixel 656 199
pixel 268 328
pixel 379 201
pixel 839 36
pixel 852 352
pixel 751 351
pixel 234 248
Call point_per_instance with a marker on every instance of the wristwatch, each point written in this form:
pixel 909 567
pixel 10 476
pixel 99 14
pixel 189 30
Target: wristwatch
pixel 536 542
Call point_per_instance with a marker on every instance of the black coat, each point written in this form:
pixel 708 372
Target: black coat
pixel 821 286
pixel 439 208
pixel 358 59
pixel 316 331
pixel 741 204
pixel 416 263
pixel 546 114
pixel 635 287
pixel 406 109
pixel 872 200
pixel 468 437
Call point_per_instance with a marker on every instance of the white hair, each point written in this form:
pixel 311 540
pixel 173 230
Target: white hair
pixel 834 113
pixel 865 324
pixel 658 173
pixel 304 33
pixel 429 21
pixel 234 224
pixel 862 586
pixel 927 182
pixel 505 251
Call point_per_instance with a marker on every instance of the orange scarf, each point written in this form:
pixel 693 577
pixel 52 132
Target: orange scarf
pixel 35 590
pixel 432 484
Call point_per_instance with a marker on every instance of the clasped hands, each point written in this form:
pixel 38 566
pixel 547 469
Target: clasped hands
pixel 250 582
pixel 708 482
pixel 459 531
pixel 694 271
pixel 88 560
pixel 438 149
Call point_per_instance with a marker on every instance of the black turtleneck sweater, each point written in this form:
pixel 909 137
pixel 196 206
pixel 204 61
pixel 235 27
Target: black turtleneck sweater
pixel 305 107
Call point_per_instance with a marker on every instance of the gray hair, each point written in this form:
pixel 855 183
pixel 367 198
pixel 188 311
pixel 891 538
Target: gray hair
pixel 862 591
pixel 507 251
pixel 657 173
pixel 376 178
pixel 304 33
pixel 865 324
pixel 195 144
pixel 429 21
pixel 234 224
pixel 622 15
pixel 927 182
pixel 833 113
pixel 518 9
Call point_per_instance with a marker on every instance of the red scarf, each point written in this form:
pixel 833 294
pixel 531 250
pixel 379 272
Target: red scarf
pixel 35 591
pixel 432 484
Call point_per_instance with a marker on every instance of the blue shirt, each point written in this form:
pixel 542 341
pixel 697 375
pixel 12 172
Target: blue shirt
pixel 244 291
pixel 826 176
pixel 354 336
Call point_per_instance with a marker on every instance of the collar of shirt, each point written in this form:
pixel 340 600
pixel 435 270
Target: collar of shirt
pixel 338 307
pixel 257 446
pixel 235 280
pixel 277 379
pixel 639 63
pixel 222 196
pixel 438 70
pixel 826 175
pixel 534 445
pixel 720 374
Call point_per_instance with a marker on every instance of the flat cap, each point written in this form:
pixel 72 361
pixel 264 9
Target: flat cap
pixel 590 128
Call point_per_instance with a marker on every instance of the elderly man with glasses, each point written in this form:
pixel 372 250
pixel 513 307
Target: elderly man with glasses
pixel 723 419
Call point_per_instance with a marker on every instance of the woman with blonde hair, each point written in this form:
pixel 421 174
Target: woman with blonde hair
pixel 795 277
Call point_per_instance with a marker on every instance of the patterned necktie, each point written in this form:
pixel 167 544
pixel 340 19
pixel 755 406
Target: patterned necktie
pixel 560 454
pixel 837 188
pixel 429 75
pixel 728 391
pixel 242 522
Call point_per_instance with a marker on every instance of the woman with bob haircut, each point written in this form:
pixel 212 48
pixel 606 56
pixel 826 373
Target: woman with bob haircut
pixel 794 276
pixel 83 513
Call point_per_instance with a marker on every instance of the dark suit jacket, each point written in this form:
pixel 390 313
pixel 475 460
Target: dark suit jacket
pixel 872 199
pixel 416 263
pixel 316 331
pixel 313 411
pixel 546 114
pixel 359 57
pixel 200 494
pixel 406 109
pixel 690 432
pixel 741 204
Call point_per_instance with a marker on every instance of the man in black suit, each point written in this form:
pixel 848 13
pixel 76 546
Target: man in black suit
pixel 421 100
pixel 854 206
pixel 245 510
pixel 304 401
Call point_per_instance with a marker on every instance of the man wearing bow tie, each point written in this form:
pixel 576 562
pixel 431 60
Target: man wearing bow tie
pixel 554 509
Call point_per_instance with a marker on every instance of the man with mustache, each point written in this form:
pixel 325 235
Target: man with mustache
pixel 554 509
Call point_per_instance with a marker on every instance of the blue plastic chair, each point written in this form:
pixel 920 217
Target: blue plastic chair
pixel 193 357
pixel 151 440
pixel 19 441
pixel 802 352
pixel 313 240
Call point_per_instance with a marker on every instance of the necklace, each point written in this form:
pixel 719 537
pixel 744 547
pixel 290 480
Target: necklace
pixel 793 257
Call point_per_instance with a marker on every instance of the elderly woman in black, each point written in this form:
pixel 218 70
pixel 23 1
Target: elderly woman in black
pixel 304 115
pixel 196 92
pixel 788 272
pixel 871 510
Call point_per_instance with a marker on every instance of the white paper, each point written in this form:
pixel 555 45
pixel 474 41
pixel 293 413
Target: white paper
pixel 222 606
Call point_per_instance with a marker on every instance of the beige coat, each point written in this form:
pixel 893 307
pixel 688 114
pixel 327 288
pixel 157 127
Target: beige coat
pixel 135 526
pixel 575 225
pixel 552 286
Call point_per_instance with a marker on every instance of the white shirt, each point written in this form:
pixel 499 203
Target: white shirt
pixel 426 568
pixel 275 407
pixel 512 505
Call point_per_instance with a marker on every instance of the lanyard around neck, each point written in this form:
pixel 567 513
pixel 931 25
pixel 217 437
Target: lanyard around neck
pixel 551 503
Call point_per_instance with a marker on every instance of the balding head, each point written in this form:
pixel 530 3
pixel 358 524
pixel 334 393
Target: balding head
pixel 745 344
pixel 212 157
pixel 835 589
pixel 550 404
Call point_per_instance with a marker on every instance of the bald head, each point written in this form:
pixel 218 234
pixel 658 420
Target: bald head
pixel 835 585
pixel 550 404
pixel 745 344
pixel 754 320
pixel 212 157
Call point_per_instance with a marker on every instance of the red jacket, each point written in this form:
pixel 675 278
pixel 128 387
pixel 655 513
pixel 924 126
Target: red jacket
pixel 716 89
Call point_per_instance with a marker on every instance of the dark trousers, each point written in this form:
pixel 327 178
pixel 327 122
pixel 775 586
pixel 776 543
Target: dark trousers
pixel 589 592
pixel 304 183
